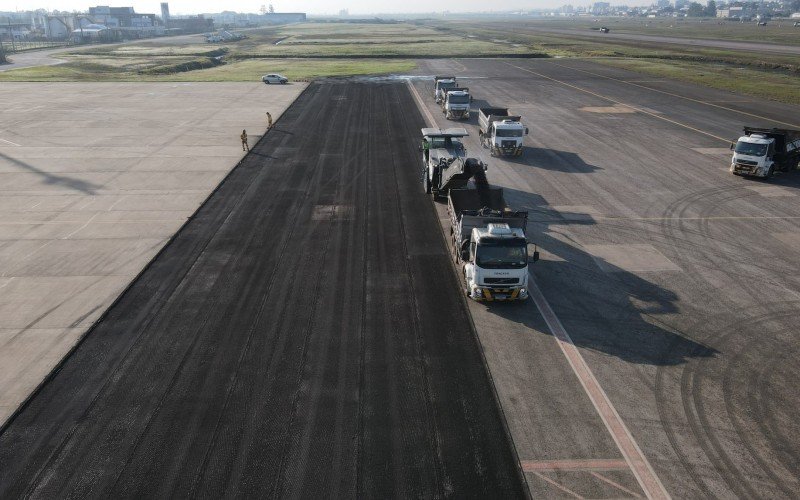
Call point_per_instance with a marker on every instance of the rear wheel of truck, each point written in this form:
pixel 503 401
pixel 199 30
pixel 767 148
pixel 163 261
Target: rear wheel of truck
pixel 770 172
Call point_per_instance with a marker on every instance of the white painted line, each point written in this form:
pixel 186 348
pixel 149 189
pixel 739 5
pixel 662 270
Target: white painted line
pixel 557 485
pixel 633 455
pixel 615 484
pixel 639 109
pixel 421 105
pixel 700 101
pixel 12 143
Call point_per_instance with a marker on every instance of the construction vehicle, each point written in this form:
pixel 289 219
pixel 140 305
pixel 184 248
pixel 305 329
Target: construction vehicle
pixel 455 104
pixel 441 84
pixel 489 244
pixel 761 152
pixel 501 132
pixel 445 162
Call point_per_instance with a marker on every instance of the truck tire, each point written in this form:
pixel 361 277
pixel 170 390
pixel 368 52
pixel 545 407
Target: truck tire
pixel 427 183
pixel 770 172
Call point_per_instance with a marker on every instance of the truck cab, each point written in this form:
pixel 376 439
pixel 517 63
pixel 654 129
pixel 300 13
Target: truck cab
pixel 496 265
pixel 752 155
pixel 762 152
pixel 456 104
pixel 506 137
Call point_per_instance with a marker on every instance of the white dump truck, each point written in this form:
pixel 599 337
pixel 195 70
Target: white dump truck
pixel 441 84
pixel 489 244
pixel 761 152
pixel 445 164
pixel 501 132
pixel 455 104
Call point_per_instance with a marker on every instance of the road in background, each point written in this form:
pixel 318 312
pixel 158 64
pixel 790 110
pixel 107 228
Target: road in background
pixel 755 47
pixel 49 57
pixel 302 336
pixel 678 283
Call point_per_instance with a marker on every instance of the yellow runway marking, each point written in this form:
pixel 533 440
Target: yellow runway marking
pixel 700 101
pixel 640 110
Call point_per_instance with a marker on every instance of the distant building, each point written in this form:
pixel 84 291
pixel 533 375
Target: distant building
pixel 121 17
pixel 191 24
pixel 285 17
pixel 600 8
pixel 732 12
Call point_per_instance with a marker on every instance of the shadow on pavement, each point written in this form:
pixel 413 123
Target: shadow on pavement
pixel 612 311
pixel 552 159
pixel 51 178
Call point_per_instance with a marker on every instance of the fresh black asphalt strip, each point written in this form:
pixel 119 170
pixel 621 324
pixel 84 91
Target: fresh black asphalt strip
pixel 303 336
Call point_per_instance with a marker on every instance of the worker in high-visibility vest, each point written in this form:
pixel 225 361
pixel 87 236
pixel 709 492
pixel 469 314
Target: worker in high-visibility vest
pixel 245 146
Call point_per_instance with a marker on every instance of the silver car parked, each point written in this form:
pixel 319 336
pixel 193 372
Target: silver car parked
pixel 274 78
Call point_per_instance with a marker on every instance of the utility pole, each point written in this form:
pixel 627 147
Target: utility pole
pixel 11 34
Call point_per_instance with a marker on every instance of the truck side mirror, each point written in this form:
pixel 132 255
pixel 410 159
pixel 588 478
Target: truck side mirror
pixel 533 256
pixel 733 146
pixel 465 254
pixel 526 130
pixel 471 99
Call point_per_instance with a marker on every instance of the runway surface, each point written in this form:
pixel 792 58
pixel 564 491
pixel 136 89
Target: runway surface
pixel 677 283
pixel 755 47
pixel 304 335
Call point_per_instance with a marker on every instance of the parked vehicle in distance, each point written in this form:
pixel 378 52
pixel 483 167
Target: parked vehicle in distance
pixel 761 152
pixel 274 78
pixel 796 24
pixel 604 30
pixel 762 23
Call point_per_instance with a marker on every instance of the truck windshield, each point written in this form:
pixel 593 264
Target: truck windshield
pixel 508 132
pixel 511 254
pixel 459 99
pixel 444 143
pixel 748 148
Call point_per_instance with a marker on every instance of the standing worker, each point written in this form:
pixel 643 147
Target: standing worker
pixel 269 121
pixel 245 146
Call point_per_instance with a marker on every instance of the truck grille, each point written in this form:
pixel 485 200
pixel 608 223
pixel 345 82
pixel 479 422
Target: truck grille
pixel 501 281
pixel 746 162
pixel 508 144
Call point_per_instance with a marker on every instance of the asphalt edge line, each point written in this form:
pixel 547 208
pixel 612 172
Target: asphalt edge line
pixel 641 468
pixel 699 101
pixel 57 368
pixel 498 404
pixel 601 96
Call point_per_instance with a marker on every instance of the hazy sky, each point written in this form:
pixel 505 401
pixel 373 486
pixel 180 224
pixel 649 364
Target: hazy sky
pixel 309 6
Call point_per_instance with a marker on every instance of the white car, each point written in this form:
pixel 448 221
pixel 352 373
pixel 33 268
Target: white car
pixel 274 78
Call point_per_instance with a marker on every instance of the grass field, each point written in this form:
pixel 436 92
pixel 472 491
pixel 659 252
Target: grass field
pixel 136 70
pixel 321 49
pixel 299 51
